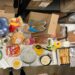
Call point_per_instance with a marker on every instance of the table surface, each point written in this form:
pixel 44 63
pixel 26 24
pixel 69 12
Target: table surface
pixel 6 61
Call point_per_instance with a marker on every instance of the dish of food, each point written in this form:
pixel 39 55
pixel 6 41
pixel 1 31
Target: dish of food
pixel 13 50
pixel 64 56
pixel 45 60
pixel 17 64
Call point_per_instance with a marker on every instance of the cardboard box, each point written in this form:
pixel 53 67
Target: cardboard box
pixel 52 27
pixel 71 37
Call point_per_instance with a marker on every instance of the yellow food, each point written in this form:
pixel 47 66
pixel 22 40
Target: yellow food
pixel 17 64
pixel 39 51
pixel 14 24
pixel 57 44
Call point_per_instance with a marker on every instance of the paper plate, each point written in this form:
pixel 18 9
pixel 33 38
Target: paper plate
pixel 28 56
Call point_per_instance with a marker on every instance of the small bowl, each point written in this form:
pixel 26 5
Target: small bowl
pixel 45 57
pixel 17 63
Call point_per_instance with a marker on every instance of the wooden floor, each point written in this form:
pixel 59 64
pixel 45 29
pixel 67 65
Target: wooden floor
pixel 67 5
pixel 50 70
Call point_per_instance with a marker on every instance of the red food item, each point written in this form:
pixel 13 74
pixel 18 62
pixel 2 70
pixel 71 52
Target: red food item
pixel 12 28
pixel 13 50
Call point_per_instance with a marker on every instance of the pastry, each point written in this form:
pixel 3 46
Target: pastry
pixel 17 38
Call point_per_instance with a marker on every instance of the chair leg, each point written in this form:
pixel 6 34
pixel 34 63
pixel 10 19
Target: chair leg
pixel 22 72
